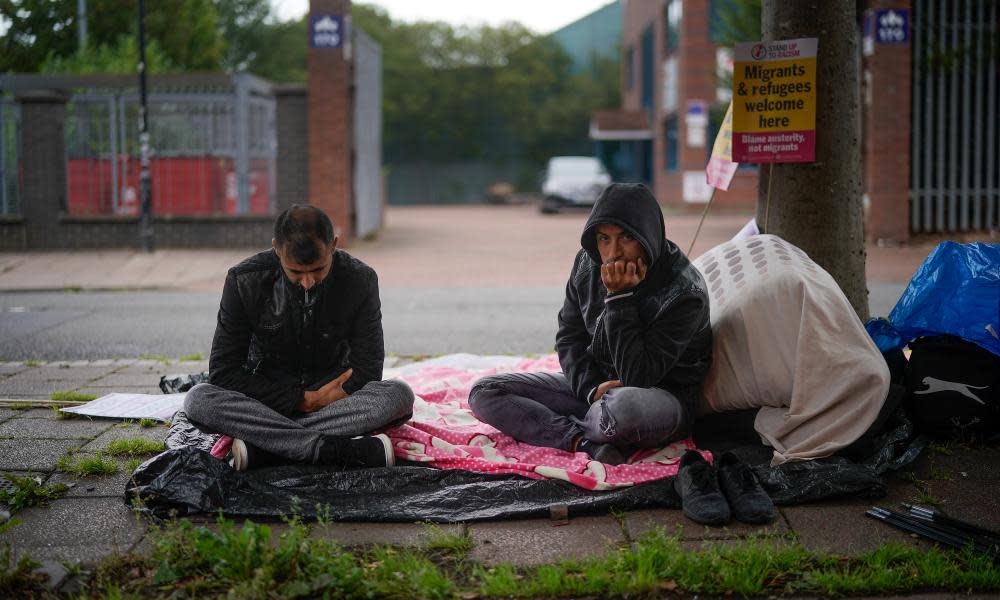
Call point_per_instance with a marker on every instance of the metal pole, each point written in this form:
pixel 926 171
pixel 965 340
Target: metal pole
pixel 81 29
pixel 145 185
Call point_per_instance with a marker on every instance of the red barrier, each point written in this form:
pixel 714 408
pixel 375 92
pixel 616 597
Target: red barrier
pixel 203 185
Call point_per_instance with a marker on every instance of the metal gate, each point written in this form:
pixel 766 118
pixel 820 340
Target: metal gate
pixel 955 151
pixel 213 151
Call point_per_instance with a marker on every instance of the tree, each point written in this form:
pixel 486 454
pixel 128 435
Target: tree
pixel 119 58
pixel 244 25
pixel 817 206
pixel 42 30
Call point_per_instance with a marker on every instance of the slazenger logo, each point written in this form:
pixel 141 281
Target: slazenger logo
pixel 758 52
pixel 935 385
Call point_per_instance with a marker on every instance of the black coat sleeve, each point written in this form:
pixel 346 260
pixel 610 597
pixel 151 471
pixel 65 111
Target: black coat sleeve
pixel 572 341
pixel 366 341
pixel 230 347
pixel 643 354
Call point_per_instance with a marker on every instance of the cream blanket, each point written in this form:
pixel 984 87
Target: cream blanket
pixel 788 341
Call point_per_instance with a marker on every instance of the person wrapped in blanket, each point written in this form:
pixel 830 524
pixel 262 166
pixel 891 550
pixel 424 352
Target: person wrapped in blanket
pixel 295 373
pixel 634 343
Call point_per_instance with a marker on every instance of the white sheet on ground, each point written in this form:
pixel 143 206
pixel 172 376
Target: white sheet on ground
pixel 131 406
pixel 787 340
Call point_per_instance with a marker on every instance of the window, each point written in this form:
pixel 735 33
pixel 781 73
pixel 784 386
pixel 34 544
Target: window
pixel 670 147
pixel 647 68
pixel 675 11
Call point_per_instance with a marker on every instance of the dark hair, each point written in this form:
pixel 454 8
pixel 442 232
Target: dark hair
pixel 301 230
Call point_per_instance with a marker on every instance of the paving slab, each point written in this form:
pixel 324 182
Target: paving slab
pixel 34 455
pixel 672 521
pixel 6 413
pixel 382 534
pixel 54 373
pixel 14 387
pixel 842 527
pixel 52 429
pixel 969 500
pixel 976 463
pixel 8 369
pixel 127 380
pixel 539 541
pixel 104 486
pixel 75 530
pixel 152 388
pixel 37 413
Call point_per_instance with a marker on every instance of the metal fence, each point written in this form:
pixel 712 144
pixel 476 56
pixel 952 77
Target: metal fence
pixel 213 150
pixel 10 144
pixel 955 177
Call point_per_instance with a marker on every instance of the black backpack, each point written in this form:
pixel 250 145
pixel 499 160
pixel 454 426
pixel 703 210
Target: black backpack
pixel 953 388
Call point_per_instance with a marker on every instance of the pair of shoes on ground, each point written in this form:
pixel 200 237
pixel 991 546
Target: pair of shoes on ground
pixel 364 451
pixel 713 494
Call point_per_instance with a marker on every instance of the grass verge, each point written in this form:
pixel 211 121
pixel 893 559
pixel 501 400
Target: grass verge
pixel 250 561
pixel 64 396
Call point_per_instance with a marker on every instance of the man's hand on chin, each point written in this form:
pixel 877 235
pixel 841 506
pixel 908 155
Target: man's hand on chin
pixel 326 395
pixel 621 275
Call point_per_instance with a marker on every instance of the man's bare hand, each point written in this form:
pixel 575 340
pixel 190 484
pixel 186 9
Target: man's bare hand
pixel 603 388
pixel 326 395
pixel 622 275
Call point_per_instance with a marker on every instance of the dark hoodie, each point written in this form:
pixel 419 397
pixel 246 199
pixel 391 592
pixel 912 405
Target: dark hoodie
pixel 656 336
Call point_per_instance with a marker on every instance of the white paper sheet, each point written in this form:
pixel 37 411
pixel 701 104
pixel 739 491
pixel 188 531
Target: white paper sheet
pixel 132 406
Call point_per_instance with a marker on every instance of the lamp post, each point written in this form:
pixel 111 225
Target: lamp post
pixel 145 184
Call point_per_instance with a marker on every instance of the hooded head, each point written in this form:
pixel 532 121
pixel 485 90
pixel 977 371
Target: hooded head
pixel 632 207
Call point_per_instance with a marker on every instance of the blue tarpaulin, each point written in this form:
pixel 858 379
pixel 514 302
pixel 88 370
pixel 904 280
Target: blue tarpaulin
pixel 956 291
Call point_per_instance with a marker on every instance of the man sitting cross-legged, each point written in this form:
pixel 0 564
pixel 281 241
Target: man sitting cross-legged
pixel 634 343
pixel 296 365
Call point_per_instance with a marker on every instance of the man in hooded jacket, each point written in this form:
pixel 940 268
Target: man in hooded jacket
pixel 634 343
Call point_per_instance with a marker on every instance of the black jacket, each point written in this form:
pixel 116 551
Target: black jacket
pixel 271 346
pixel 656 336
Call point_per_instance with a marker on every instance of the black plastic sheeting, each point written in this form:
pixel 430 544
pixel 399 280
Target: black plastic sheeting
pixel 186 480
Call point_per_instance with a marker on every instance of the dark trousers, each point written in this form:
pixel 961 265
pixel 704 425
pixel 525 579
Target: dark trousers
pixel 541 409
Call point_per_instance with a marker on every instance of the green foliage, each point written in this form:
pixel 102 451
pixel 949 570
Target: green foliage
pixel 87 466
pixel 134 447
pixel 68 396
pixel 192 357
pixel 147 423
pixel 32 363
pixel 735 21
pixel 28 492
pixel 18 579
pixel 42 31
pixel 157 357
pixel 454 545
pixel 122 57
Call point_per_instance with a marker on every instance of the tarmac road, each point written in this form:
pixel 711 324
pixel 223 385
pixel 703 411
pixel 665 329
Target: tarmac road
pixel 94 325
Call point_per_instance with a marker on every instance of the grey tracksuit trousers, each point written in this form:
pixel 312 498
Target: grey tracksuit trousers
pixel 378 404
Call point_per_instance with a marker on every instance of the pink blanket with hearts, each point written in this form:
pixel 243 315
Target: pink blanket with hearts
pixel 443 432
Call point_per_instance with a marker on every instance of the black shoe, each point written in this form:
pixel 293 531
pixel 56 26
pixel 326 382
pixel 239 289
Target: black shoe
pixel 749 502
pixel 699 491
pixel 364 451
pixel 245 456
pixel 605 453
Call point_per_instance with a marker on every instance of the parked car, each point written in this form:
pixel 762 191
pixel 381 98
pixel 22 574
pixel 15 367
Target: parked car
pixel 572 181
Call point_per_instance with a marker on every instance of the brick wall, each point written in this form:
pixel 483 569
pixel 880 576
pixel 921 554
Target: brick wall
pixel 330 122
pixel 887 110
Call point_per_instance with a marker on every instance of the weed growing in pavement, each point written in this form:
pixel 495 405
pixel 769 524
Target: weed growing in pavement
pixel 157 357
pixel 87 466
pixel 133 447
pixel 442 542
pixel 17 577
pixel 20 406
pixel 33 363
pixel 29 491
pixel 133 464
pixel 147 423
pixel 66 396
pixel 195 357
